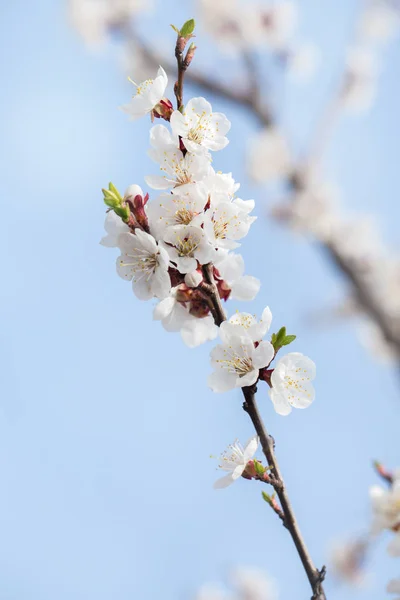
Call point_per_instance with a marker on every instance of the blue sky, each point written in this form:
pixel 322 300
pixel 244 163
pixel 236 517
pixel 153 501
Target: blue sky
pixel 107 425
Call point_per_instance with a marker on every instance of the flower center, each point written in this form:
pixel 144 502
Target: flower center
pixel 233 363
pixel 183 216
pixel 142 263
pixel 186 246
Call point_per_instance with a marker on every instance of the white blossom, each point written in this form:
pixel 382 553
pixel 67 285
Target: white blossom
pixel 221 187
pixel 199 127
pixel 148 95
pixel 234 461
pixel 231 268
pixel 178 169
pixel 226 223
pixel 172 314
pixel 195 331
pixel 269 156
pixel 145 263
pixel 237 361
pixel 291 383
pixel 244 323
pixel 170 210
pixel 114 226
pixel 187 244
pixel 385 506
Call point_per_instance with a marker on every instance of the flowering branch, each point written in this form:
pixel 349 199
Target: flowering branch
pixel 178 249
pixel 356 272
pixel 315 577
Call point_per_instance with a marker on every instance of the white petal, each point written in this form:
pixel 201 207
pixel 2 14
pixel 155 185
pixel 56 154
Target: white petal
pixel 263 355
pixel 250 448
pixel 220 381
pixel 223 482
pixel 157 182
pixel 245 288
pixel 281 405
pixel 248 379
pixel 163 308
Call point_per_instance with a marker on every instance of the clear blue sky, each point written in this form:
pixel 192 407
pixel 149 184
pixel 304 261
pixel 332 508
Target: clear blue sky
pixel 106 423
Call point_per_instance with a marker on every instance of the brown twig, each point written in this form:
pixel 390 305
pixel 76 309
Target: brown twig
pixel 315 577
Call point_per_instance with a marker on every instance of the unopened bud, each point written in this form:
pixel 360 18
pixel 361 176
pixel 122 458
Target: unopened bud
pixel 112 197
pixel 189 55
pixel 123 212
pixel 132 191
pixel 163 109
pixel 193 279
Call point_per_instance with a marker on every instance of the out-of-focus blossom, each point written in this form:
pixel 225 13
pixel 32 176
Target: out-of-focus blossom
pixel 358 93
pixel 385 506
pixel 279 20
pixel 393 587
pixel 94 19
pixel 372 338
pixel 347 560
pixel 269 156
pixel 302 62
pixel 253 584
pixel 379 22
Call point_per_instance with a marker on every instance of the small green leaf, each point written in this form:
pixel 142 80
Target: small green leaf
pixel 280 336
pixel 123 212
pixel 187 28
pixel 258 467
pixel 114 190
pixel 267 498
pixel 273 339
pixel 110 199
pixel 288 340
pixel 176 29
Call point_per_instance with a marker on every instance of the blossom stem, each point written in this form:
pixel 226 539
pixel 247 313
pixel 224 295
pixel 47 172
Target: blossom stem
pixel 315 576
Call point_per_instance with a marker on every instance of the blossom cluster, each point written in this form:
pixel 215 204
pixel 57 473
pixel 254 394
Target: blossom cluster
pixel 177 246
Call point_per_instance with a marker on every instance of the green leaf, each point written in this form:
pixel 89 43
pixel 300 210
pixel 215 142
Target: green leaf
pixel 114 190
pixel 273 339
pixel 110 199
pixel 258 467
pixel 280 336
pixel 266 497
pixel 187 28
pixel 288 340
pixel 123 212
pixel 176 29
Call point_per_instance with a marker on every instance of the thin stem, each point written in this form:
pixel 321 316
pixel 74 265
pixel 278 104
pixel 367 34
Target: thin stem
pixel 315 577
pixel 178 88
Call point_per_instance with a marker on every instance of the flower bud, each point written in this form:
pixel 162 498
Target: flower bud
pixel 193 279
pixel 132 191
pixel 163 110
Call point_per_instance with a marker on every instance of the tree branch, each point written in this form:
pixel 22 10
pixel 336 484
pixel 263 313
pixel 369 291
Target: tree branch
pixel 315 577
